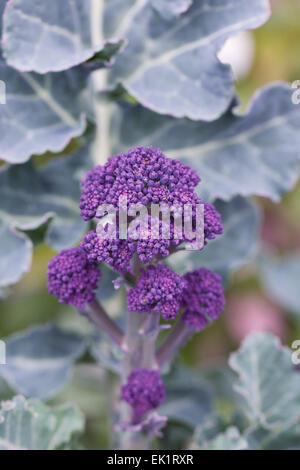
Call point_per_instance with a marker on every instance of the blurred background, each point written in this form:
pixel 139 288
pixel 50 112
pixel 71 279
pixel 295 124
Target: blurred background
pixel 258 57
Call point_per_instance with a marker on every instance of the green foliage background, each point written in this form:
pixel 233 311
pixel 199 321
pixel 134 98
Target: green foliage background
pixel 276 58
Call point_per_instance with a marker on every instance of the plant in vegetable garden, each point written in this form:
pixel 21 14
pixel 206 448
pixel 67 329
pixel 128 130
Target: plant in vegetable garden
pixel 140 80
pixel 146 175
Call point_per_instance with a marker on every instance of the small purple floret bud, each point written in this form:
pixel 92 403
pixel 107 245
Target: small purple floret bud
pixel 159 289
pixel 72 279
pixel 203 298
pixel 117 253
pixel 212 222
pixel 144 391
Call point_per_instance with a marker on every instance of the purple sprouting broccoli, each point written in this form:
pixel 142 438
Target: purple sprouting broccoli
pixel 154 291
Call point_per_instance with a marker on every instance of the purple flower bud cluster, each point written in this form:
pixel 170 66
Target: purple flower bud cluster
pixel 147 176
pixel 117 253
pixel 144 175
pixel 149 248
pixel 144 391
pixel 72 279
pixel 93 192
pixel 159 289
pixel 203 298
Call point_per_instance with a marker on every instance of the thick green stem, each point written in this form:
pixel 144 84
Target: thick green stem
pixel 99 317
pixel 101 145
pixel 140 337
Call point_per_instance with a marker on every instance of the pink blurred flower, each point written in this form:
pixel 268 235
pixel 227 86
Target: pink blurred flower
pixel 251 313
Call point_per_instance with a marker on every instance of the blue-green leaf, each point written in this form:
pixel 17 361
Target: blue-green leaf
pixel 267 383
pixel 190 398
pixel 2 9
pixel 42 113
pixel 31 425
pixel 229 440
pixel 256 153
pixel 285 436
pixel 106 353
pixel 107 289
pixel 15 254
pixel 280 277
pixel 170 65
pixel 30 196
pixel 169 10
pixel 50 37
pixel 39 360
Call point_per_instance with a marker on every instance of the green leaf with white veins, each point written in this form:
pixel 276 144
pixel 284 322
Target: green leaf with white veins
pixel 280 277
pixel 15 254
pixel 170 63
pixel 169 9
pixel 267 383
pixel 39 360
pixel 30 196
pixel 43 36
pixel 190 398
pixel 31 425
pixel 283 437
pixel 256 153
pixel 229 440
pixel 42 113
